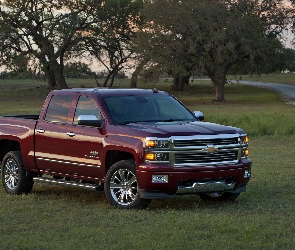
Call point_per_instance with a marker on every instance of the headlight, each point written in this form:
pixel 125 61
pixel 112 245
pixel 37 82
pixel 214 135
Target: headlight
pixel 244 139
pixel 157 143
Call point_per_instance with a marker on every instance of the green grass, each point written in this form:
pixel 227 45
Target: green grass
pixel 57 217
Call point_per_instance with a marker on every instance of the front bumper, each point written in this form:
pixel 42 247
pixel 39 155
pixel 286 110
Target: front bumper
pixel 180 181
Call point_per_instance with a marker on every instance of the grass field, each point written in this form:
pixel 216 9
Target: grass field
pixel 57 217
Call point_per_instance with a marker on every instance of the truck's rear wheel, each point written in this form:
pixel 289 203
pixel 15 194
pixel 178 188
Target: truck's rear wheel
pixel 121 186
pixel 15 178
pixel 226 196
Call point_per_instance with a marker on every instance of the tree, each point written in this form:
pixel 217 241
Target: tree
pixel 77 70
pixel 167 40
pixel 288 61
pixel 46 31
pixel 291 18
pixel 112 47
pixel 210 36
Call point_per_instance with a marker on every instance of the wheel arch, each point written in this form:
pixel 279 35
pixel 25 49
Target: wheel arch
pixel 7 146
pixel 113 156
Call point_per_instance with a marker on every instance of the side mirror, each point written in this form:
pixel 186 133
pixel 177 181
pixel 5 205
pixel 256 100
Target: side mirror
pixel 199 115
pixel 90 120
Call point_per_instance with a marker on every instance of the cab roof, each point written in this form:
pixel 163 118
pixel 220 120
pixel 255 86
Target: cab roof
pixel 106 92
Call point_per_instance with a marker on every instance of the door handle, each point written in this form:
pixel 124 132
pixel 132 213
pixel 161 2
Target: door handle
pixel 71 134
pixel 40 130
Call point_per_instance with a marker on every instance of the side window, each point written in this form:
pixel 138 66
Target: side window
pixel 58 109
pixel 86 106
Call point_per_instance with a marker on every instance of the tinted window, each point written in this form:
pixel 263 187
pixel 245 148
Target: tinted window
pixel 86 106
pixel 150 108
pixel 58 108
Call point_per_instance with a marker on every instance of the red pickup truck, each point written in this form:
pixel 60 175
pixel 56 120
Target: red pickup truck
pixel 136 145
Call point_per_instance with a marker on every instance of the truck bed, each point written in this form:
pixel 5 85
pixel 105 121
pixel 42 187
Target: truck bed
pixel 31 117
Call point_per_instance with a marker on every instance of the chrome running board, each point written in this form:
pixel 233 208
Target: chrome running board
pixel 88 186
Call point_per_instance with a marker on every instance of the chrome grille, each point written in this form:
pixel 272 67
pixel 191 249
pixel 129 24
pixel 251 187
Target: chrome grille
pixel 202 150
pixel 205 158
pixel 205 142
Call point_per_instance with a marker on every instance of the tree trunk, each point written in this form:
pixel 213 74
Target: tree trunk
pixel 133 81
pixel 218 77
pixel 179 82
pixel 60 81
pixel 112 80
pixel 219 91
pixel 49 76
pixel 111 75
pixel 58 75
pixel 51 83
pixel 96 81
pixel 106 80
pixel 187 80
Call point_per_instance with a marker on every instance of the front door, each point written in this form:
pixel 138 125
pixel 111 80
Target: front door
pixel 84 143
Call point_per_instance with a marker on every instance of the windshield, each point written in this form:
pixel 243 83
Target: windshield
pixel 149 108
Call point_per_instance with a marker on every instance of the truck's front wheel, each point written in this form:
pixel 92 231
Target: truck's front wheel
pixel 15 178
pixel 121 186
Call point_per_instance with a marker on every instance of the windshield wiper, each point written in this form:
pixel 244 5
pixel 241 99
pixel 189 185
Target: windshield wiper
pixel 127 122
pixel 168 120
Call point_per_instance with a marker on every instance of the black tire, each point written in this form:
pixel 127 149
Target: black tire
pixel 15 178
pixel 219 197
pixel 121 188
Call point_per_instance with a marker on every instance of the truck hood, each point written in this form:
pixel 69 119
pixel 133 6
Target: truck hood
pixel 179 128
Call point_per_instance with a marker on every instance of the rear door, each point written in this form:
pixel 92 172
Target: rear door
pixel 50 135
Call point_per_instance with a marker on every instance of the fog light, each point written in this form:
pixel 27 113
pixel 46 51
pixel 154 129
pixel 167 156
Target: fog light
pixel 159 178
pixel 150 157
pixel 247 174
pixel 246 152
pixel 157 157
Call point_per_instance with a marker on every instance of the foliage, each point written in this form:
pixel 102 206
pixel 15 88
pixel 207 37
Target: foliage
pixel 209 36
pixel 43 30
pixel 280 60
pixel 179 38
pixel 287 62
pixel 77 70
pixel 48 33
pixel 112 46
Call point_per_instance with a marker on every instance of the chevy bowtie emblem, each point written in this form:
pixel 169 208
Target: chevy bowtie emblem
pixel 210 149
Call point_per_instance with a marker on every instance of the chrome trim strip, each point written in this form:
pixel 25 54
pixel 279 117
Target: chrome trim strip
pixel 67 162
pixel 206 187
pixel 94 163
pixel 197 137
pixel 205 164
pixel 204 137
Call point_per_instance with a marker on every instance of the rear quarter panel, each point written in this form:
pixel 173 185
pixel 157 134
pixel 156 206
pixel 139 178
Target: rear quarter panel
pixel 20 131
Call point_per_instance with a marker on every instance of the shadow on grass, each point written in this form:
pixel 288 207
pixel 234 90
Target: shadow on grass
pixel 261 195
pixel 53 193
